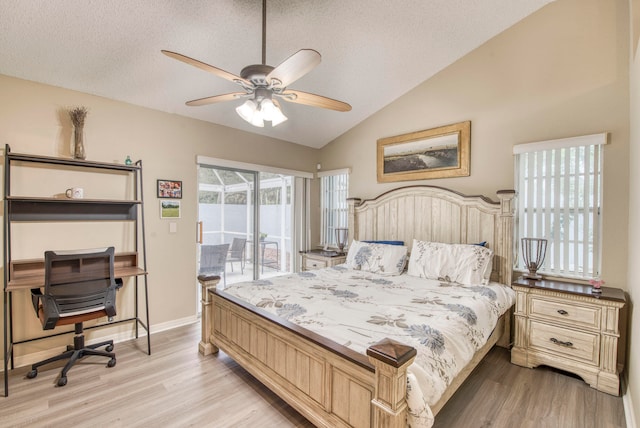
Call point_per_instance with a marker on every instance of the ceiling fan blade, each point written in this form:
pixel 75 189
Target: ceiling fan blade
pixel 216 99
pixel 294 67
pixel 208 68
pixel 314 100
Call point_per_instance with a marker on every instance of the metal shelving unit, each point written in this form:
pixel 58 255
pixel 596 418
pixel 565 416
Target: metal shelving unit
pixel 22 275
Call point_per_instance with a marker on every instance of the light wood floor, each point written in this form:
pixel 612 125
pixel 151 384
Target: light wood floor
pixel 177 387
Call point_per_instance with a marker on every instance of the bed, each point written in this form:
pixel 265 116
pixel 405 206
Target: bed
pixel 335 382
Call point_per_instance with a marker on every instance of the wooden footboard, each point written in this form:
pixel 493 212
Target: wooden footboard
pixel 329 384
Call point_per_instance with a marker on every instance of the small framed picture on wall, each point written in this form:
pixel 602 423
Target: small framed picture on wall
pixel 169 209
pixel 170 189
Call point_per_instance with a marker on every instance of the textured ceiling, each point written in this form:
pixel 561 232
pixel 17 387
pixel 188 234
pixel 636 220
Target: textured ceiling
pixel 373 51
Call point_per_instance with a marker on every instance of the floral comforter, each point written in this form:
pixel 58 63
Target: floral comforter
pixel 446 322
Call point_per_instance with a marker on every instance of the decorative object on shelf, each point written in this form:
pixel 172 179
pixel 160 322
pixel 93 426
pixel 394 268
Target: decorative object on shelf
pixel 441 152
pixel 596 285
pixel 78 115
pixel 533 252
pixel 75 193
pixel 171 189
pixel 128 161
pixel 342 234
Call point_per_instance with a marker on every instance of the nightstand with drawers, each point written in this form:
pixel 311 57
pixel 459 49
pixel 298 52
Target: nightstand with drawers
pixel 318 259
pixel 566 326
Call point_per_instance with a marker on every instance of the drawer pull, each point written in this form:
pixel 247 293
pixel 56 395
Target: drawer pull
pixel 561 343
pixel 563 312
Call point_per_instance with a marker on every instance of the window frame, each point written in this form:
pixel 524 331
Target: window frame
pixel 338 207
pixel 562 179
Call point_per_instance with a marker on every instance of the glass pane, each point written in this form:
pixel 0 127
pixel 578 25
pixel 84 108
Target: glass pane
pixel 225 213
pixel 275 243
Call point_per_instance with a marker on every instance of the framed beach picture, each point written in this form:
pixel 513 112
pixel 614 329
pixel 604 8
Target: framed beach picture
pixel 171 189
pixel 169 209
pixel 433 153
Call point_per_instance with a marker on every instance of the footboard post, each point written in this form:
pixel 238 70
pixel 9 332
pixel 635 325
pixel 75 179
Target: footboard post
pixel 390 359
pixel 207 282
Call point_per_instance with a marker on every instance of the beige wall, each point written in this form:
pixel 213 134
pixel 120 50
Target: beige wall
pixel 561 72
pixel 33 120
pixel 634 214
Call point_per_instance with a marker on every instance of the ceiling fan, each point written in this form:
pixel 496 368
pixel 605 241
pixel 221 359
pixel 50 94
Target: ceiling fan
pixel 263 84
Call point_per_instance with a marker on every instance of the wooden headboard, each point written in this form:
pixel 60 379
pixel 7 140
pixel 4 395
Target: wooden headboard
pixel 430 213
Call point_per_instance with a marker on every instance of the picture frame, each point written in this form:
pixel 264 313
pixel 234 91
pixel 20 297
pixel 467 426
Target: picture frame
pixel 170 189
pixel 440 152
pixel 170 208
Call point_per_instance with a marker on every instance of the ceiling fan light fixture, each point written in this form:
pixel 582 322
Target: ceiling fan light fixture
pixel 278 117
pixel 268 109
pixel 257 120
pixel 247 110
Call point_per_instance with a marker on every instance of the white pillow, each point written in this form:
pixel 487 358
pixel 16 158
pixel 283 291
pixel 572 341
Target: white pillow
pixel 461 263
pixel 382 259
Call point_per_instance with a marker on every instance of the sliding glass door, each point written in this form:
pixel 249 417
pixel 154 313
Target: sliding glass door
pixel 248 214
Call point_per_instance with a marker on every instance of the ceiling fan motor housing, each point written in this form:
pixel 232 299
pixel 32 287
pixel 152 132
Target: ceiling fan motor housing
pixel 256 74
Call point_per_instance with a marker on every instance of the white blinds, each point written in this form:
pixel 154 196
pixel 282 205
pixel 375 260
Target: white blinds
pixel 559 197
pixel 334 189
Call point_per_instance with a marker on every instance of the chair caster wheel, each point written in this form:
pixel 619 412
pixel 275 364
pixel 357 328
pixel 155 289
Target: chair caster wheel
pixel 33 373
pixel 109 348
pixel 111 363
pixel 62 381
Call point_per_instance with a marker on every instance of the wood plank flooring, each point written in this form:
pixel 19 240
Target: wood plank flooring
pixel 178 387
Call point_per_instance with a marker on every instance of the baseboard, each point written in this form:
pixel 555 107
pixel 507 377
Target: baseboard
pixel 629 414
pixel 34 357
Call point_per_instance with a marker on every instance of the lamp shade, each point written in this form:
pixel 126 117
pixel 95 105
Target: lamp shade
pixel 247 110
pixel 533 253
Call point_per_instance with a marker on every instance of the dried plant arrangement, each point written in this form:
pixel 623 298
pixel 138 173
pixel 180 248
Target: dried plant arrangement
pixel 77 115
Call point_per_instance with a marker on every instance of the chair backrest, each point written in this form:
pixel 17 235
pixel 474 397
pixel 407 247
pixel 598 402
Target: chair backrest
pixel 80 281
pixel 213 258
pixel 236 251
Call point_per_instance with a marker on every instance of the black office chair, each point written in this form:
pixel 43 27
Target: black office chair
pixel 213 260
pixel 79 286
pixel 236 253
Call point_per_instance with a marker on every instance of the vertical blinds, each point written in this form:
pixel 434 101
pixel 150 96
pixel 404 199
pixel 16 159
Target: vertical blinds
pixel 559 187
pixel 334 190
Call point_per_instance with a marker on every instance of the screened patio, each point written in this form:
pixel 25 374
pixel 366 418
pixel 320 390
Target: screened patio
pixel 227 215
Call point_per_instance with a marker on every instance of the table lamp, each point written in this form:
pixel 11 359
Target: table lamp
pixel 533 252
pixel 342 234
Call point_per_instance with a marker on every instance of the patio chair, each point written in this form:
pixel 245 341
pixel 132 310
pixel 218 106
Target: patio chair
pixel 236 253
pixel 213 260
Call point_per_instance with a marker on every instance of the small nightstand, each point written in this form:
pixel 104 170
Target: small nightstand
pixel 318 259
pixel 564 325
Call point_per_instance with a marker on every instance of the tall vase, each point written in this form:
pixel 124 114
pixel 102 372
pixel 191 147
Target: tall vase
pixel 78 147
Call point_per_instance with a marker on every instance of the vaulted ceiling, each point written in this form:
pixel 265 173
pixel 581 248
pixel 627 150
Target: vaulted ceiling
pixel 373 51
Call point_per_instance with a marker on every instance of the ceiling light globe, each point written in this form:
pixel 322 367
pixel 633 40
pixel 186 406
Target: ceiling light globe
pixel 268 109
pixel 247 110
pixel 278 117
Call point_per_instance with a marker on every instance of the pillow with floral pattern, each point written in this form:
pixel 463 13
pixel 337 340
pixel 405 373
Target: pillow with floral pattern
pixel 461 263
pixel 382 259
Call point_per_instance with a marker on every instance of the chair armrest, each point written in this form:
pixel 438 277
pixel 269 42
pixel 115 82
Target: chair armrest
pixel 50 312
pixel 36 294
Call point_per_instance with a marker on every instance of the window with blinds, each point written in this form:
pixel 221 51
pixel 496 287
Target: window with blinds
pixel 334 189
pixel 559 186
